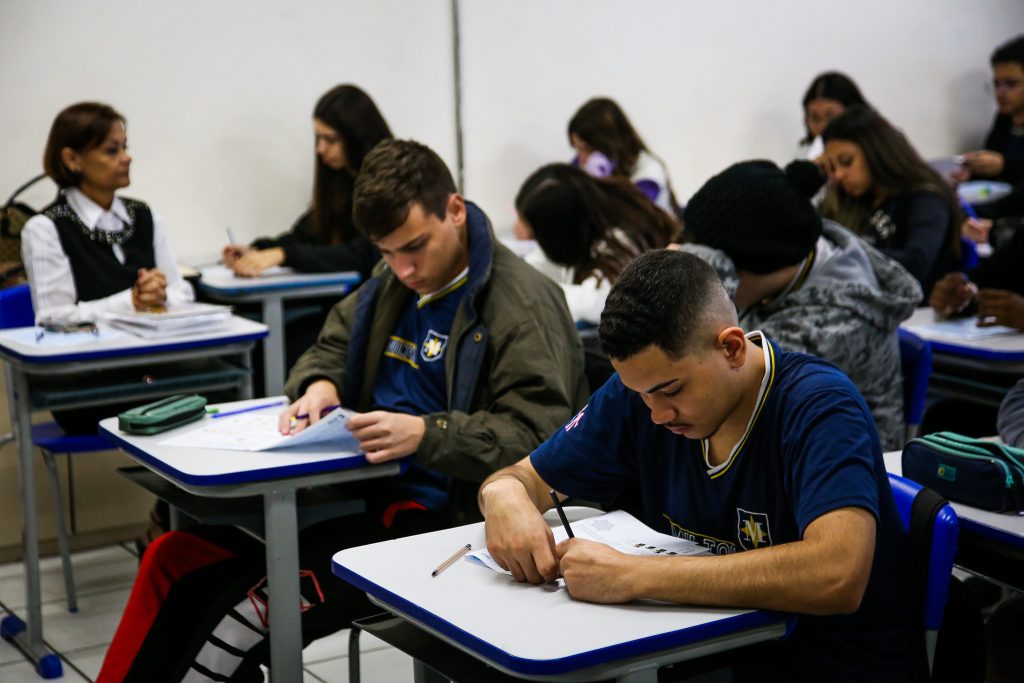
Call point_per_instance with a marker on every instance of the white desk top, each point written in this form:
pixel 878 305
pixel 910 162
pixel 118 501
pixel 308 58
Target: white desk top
pixel 19 343
pixel 223 281
pixel 1005 527
pixel 207 467
pixel 525 629
pixel 1005 347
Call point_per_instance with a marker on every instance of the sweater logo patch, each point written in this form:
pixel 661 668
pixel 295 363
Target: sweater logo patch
pixel 752 530
pixel 433 346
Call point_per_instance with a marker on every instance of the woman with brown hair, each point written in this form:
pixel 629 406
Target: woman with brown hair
pixel 347 125
pixel 92 251
pixel 607 144
pixel 881 189
pixel 591 228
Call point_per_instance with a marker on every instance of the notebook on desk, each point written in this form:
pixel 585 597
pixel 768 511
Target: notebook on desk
pixel 174 321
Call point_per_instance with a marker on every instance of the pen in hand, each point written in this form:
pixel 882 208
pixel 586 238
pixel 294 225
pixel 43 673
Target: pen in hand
pixel 561 514
pixel 451 560
pixel 295 419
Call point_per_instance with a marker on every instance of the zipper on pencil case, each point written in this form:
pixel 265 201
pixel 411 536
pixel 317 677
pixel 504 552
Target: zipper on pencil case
pixel 160 404
pixel 942 447
pixel 966 444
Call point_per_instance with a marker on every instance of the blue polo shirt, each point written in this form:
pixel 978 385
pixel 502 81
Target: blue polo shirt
pixel 811 447
pixel 412 378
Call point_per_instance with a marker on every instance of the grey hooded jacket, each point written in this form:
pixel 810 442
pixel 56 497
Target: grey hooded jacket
pixel 846 311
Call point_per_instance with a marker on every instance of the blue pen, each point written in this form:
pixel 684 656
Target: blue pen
pixel 247 410
pixel 968 209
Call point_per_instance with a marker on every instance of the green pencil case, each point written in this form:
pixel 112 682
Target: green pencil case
pixel 162 415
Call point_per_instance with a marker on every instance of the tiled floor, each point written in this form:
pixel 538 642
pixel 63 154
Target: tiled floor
pixel 103 578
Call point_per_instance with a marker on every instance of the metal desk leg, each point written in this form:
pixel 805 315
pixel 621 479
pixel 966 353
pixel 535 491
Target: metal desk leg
pixel 273 346
pixel 245 388
pixel 280 519
pixel 28 635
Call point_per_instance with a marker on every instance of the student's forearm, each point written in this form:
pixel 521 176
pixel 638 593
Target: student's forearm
pixel 515 480
pixel 804 577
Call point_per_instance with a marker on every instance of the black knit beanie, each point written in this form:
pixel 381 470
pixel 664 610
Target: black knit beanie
pixel 758 214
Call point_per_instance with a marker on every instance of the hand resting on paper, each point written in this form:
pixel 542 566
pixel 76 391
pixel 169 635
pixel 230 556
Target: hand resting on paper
pixel 319 395
pixel 385 436
pixel 1000 307
pixel 149 290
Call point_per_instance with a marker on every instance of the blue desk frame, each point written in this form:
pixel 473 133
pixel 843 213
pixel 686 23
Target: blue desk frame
pixel 24 362
pixel 633 659
pixel 276 476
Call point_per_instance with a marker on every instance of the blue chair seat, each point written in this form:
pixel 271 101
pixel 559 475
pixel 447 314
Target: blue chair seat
pixel 51 437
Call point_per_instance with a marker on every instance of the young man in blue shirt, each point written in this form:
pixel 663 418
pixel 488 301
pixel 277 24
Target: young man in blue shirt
pixel 459 357
pixel 768 459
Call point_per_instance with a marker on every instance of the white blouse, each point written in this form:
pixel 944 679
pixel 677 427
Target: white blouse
pixel 49 270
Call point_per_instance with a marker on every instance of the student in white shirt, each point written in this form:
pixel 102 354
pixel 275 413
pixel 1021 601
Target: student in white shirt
pixel 590 229
pixel 607 144
pixel 91 251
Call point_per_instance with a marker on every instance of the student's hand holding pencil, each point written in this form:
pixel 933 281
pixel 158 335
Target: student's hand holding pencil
pixel 232 252
pixel 951 294
pixel 320 395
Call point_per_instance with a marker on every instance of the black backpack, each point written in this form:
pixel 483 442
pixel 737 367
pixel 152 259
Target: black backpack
pixel 13 216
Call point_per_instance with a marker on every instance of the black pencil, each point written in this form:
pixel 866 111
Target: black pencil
pixel 561 514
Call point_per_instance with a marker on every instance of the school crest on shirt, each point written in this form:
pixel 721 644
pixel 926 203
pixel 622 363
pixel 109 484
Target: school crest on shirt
pixel 752 529
pixel 433 346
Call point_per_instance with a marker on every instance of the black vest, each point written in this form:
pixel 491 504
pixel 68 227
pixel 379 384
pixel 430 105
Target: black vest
pixel 95 269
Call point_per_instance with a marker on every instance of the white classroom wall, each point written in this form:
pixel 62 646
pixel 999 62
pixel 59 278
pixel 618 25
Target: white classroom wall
pixel 218 95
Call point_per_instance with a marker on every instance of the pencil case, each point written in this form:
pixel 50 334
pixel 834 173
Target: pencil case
pixel 162 415
pixel 983 474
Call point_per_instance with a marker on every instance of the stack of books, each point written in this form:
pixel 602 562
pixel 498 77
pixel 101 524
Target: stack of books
pixel 176 321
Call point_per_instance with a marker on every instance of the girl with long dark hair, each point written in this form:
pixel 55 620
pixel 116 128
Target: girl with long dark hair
pixel 828 96
pixel 884 191
pixel 347 126
pixel 590 228
pixel 607 144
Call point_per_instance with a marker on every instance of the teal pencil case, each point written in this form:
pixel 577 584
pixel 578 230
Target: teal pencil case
pixel 162 415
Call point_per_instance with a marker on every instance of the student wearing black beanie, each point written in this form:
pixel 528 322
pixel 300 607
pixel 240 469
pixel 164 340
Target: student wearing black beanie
pixel 808 283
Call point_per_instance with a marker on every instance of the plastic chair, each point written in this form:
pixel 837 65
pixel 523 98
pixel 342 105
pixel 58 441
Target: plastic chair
pixel 916 362
pixel 16 311
pixel 932 528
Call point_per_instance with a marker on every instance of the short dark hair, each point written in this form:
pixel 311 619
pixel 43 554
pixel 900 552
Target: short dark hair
pixel 666 298
pixel 81 127
pixel 1012 51
pixel 395 175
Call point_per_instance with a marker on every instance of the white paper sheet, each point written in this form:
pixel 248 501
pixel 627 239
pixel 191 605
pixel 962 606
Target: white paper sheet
pixel 257 431
pixel 27 335
pixel 965 329
pixel 619 530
